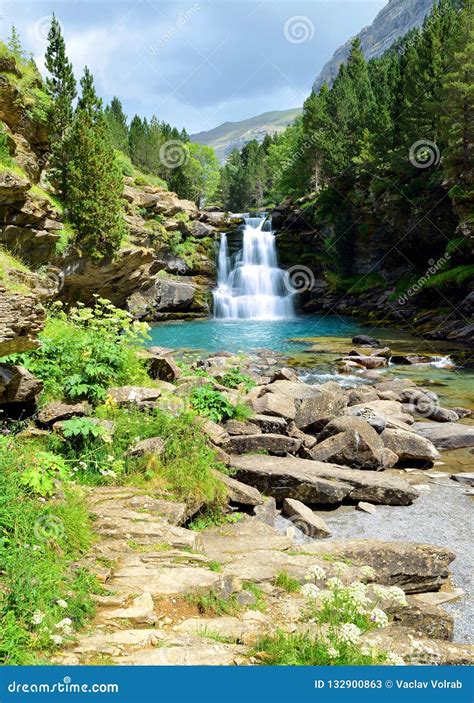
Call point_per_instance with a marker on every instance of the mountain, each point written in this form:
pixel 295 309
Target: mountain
pixel 236 134
pixel 394 20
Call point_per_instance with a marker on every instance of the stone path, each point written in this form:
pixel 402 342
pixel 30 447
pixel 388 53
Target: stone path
pixel 159 579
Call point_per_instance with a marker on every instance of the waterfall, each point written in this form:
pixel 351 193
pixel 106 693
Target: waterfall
pixel 249 284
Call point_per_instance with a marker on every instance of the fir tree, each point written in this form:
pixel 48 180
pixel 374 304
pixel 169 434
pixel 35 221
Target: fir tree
pixel 14 43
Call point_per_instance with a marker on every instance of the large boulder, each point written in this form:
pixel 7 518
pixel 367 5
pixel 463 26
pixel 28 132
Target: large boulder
pixel 318 483
pixel 446 436
pixel 364 340
pixel 410 447
pixel 352 442
pixel 273 443
pixel 239 492
pixel 313 413
pixel 18 387
pixel 162 367
pixel 164 295
pixel 275 404
pixel 414 567
pixel 58 412
pixel 133 395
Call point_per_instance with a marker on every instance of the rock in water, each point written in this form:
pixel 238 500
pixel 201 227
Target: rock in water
pixel 304 519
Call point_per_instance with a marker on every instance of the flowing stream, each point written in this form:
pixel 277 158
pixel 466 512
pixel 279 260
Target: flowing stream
pixel 250 285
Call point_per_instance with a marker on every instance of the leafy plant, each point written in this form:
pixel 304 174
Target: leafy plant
pixel 45 469
pixel 212 404
pixel 235 378
pixel 83 428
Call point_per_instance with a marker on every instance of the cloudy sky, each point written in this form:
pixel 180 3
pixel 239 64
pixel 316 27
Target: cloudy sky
pixel 195 64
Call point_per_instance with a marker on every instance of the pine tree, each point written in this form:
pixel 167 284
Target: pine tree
pixel 60 84
pixel 94 180
pixel 456 110
pixel 117 121
pixel 14 43
pixel 89 102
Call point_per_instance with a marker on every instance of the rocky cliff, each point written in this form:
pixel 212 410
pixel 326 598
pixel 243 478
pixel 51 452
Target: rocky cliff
pixel 394 21
pixel 165 266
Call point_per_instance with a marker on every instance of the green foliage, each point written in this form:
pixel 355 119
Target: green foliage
pixel 82 428
pixel 86 350
pixel 287 582
pixel 453 277
pixel 117 122
pixel 234 378
pixel 212 516
pixel 38 542
pixel 212 404
pixel 41 473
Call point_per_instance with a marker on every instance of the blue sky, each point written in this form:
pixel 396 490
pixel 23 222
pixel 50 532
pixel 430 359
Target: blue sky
pixel 196 63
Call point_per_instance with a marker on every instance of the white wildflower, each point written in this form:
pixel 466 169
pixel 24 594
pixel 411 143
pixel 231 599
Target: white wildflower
pixel 357 594
pixel 110 457
pixel 340 568
pixel 37 617
pixel 326 597
pixel 63 624
pixel 380 591
pixel 62 603
pixel 333 653
pixel 397 595
pixel 57 639
pixel 379 617
pixel 394 659
pixel 334 584
pixel 316 572
pixel 368 572
pixel 309 590
pixel 365 651
pixel 349 633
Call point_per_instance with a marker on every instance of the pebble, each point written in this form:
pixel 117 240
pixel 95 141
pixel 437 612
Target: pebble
pixel 366 507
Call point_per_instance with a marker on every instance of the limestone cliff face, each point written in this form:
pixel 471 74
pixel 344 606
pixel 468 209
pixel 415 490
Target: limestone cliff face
pixel 21 320
pixel 170 246
pixel 394 21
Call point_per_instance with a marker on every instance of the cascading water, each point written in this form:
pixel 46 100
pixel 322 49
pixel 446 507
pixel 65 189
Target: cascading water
pixel 249 284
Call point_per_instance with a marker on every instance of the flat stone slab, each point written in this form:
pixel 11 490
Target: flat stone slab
pixel 446 435
pixel 418 650
pixel 273 443
pixel 413 566
pixel 199 652
pixel 239 492
pixel 319 483
pixel 163 580
pixel 250 535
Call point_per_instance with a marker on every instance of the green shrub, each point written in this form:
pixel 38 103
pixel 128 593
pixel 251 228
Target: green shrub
pixel 212 404
pixel 234 378
pixel 41 472
pixel 86 350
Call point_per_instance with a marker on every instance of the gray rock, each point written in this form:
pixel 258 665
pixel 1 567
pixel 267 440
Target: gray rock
pixel 304 518
pixel 152 445
pixel 163 368
pixel 272 443
pixel 236 427
pixel 410 447
pixel 318 483
pixel 315 412
pixel 446 436
pixel 269 423
pixel 351 441
pixel 133 395
pixel 464 478
pixel 378 422
pixel 366 508
pixel 55 412
pixel 18 385
pixel 365 341
pixel 275 404
pixel 239 492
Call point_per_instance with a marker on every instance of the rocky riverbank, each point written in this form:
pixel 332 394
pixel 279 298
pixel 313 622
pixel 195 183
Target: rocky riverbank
pixel 178 589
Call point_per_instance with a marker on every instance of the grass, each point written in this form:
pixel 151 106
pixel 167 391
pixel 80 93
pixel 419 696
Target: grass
pixel 287 582
pixel 38 542
pixel 8 266
pixel 458 277
pixel 283 649
pixel 212 517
